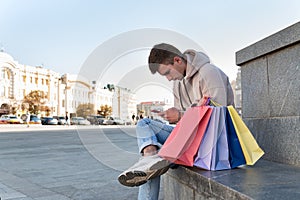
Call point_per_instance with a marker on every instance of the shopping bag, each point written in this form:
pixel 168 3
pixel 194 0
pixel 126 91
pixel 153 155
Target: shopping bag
pixel 213 153
pixel 220 152
pixel 252 152
pixel 187 158
pixel 183 142
pixel 236 156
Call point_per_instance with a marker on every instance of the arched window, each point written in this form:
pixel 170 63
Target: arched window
pixel 2 91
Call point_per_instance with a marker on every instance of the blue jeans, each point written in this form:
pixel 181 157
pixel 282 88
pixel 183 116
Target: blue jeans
pixel 151 132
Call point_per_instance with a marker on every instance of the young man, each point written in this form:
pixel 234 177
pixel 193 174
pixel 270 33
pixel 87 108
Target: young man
pixel 194 77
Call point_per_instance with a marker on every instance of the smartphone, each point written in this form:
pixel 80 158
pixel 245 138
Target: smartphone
pixel 155 111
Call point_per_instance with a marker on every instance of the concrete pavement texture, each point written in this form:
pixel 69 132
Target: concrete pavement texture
pixel 46 163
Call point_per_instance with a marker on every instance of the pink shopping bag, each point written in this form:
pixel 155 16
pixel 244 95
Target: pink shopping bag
pixel 183 143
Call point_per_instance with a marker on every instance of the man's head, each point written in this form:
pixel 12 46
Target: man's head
pixel 168 61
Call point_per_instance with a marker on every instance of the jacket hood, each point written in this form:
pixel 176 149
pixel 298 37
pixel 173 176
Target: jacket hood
pixel 195 60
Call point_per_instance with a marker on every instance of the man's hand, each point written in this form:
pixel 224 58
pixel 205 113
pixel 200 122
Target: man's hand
pixel 172 115
pixel 204 101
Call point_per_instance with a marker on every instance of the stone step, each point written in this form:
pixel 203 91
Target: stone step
pixel 266 180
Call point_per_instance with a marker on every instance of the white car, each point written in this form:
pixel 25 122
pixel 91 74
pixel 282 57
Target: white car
pixel 61 120
pixel 79 121
pixel 11 119
pixel 113 121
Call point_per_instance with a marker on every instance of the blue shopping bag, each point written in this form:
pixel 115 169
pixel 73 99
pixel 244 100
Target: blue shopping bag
pixel 236 156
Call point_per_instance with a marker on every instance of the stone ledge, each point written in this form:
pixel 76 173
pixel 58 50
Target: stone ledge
pixel 279 40
pixel 266 180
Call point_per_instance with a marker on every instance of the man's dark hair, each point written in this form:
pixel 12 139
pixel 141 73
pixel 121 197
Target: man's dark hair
pixel 162 54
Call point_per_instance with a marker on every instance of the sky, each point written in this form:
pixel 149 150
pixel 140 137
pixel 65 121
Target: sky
pixel 65 35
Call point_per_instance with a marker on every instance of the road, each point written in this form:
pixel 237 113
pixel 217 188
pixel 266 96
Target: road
pixel 69 163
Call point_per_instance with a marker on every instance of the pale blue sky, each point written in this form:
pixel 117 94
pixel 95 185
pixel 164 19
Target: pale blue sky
pixel 61 34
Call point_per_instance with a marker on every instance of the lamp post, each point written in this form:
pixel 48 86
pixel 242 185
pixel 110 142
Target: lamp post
pixel 64 81
pixel 119 102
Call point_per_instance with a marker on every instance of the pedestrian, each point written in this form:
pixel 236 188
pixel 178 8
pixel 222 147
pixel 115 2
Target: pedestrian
pixel 67 119
pixel 27 118
pixel 194 77
pixel 133 117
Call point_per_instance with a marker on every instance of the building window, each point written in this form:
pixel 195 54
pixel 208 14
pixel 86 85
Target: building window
pixel 8 74
pixel 9 92
pixel 42 81
pixel 24 79
pixel 3 74
pixel 36 80
pixel 30 79
pixel 2 91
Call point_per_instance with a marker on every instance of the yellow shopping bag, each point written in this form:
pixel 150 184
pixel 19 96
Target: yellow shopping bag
pixel 250 148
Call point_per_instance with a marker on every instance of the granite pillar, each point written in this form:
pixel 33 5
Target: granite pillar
pixel 270 74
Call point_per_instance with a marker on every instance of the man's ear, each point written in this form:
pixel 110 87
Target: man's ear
pixel 177 59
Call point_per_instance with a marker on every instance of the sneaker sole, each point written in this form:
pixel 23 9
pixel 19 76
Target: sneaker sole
pixel 158 169
pixel 131 179
pixel 137 178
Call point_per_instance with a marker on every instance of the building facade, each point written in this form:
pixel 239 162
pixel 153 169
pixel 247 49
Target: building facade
pixel 124 103
pixel 144 109
pixel 64 93
pixel 238 92
pixel 18 80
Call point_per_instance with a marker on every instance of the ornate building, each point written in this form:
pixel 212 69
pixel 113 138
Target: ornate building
pixel 63 93
pixel 77 90
pixel 18 80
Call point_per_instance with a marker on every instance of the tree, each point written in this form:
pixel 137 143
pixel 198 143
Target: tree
pixel 36 100
pixel 105 110
pixel 110 87
pixel 85 109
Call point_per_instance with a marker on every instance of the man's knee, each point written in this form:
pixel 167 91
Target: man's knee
pixel 143 122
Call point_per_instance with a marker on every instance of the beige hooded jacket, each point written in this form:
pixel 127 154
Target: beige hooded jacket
pixel 202 79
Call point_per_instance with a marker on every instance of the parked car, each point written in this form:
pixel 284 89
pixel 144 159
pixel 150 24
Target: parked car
pixel 34 119
pixel 14 120
pixel 128 122
pixel 10 119
pixel 96 119
pixel 49 121
pixel 4 119
pixel 113 121
pixel 61 120
pixel 79 121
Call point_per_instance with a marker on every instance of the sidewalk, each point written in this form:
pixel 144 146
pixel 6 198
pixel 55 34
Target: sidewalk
pixel 48 165
pixel 39 127
pixel 32 127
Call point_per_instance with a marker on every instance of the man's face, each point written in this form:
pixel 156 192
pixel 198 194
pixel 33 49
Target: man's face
pixel 172 71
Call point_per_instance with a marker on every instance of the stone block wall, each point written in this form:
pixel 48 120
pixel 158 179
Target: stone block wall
pixel 270 74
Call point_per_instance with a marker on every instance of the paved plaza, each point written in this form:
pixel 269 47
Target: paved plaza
pixel 47 163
